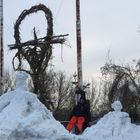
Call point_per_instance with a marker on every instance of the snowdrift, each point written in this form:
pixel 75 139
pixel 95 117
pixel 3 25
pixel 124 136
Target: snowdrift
pixel 115 125
pixel 23 117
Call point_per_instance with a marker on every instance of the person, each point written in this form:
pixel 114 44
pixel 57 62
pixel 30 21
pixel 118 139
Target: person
pixel 80 116
pixel 79 93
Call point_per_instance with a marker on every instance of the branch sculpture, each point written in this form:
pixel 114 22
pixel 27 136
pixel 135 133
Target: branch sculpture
pixel 36 52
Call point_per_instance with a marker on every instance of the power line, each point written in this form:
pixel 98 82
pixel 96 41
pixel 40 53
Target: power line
pixel 59 9
pixel 8 28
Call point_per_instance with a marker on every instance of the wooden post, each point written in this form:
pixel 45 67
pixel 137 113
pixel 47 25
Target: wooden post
pixel 1 47
pixel 79 46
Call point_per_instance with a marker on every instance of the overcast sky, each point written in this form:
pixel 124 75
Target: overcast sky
pixel 106 25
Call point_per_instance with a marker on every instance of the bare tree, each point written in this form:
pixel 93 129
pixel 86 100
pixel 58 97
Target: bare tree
pixel 8 81
pixel 64 89
pixel 125 86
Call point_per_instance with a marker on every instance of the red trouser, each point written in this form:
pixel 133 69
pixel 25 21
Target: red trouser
pixel 79 121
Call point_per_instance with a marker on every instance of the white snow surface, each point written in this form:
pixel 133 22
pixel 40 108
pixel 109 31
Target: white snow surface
pixel 23 117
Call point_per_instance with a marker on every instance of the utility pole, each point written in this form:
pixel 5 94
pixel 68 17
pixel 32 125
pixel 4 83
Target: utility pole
pixel 79 45
pixel 1 47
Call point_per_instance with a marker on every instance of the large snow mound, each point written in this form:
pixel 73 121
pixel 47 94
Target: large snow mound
pixel 115 125
pixel 23 117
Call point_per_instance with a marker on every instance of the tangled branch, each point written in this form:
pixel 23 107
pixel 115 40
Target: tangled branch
pixel 36 52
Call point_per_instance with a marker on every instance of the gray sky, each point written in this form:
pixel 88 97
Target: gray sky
pixel 106 25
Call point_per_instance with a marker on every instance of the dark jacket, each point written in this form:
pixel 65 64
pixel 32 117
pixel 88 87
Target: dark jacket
pixel 82 109
pixel 80 92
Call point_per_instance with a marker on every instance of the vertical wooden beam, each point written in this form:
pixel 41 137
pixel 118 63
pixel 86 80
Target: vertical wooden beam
pixel 79 45
pixel 1 46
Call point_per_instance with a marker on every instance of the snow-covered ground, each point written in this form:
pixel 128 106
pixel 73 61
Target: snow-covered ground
pixel 23 117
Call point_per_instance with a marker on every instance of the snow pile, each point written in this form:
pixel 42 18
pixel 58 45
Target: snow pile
pixel 23 117
pixel 115 125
